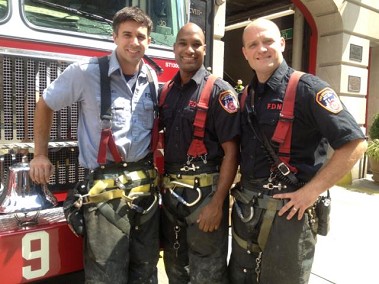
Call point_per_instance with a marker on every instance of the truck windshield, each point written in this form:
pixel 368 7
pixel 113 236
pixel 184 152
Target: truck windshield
pixel 93 18
pixel 3 9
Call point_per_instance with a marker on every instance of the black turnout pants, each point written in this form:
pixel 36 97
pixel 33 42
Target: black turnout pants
pixel 191 255
pixel 288 254
pixel 113 255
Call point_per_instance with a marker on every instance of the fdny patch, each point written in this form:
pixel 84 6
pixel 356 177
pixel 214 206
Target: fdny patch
pixel 228 101
pixel 329 100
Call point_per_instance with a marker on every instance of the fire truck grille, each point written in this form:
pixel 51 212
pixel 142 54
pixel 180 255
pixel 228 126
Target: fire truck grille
pixel 22 81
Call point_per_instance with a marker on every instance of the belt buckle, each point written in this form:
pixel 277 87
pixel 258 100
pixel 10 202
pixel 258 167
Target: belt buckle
pixel 284 169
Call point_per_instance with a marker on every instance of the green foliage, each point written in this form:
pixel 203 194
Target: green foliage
pixel 374 129
pixel 373 149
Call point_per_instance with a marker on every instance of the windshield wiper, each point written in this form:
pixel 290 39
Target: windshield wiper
pixel 74 11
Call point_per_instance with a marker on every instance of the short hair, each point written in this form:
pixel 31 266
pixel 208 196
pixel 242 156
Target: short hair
pixel 132 14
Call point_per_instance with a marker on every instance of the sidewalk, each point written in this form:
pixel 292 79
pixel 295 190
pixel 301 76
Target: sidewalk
pixel 350 252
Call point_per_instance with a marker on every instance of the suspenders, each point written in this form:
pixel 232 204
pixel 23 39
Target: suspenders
pixel 106 115
pixel 283 130
pixel 197 147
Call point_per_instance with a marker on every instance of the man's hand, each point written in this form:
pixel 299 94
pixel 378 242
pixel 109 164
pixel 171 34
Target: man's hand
pixel 41 169
pixel 210 217
pixel 298 202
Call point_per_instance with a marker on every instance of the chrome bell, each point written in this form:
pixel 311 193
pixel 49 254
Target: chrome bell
pixel 21 195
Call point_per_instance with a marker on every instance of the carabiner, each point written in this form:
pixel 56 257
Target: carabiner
pixel 239 213
pixel 181 199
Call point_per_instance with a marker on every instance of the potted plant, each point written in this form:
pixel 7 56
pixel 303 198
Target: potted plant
pixel 373 148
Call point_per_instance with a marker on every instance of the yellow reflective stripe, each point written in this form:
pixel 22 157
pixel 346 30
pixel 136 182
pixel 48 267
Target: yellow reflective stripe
pixel 98 192
pixel 141 188
pixel 106 196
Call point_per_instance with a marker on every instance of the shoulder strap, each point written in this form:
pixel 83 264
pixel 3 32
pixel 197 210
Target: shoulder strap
pixel 197 147
pixel 283 130
pixel 105 105
pixel 155 130
pixel 105 86
pixel 243 97
pixel 164 91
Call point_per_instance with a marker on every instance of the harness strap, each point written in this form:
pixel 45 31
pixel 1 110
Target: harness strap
pixel 201 180
pixel 243 97
pixel 164 91
pixel 268 218
pixel 197 147
pixel 106 133
pixel 107 139
pixel 271 206
pixel 155 130
pixel 245 244
pixel 107 189
pixel 283 130
pixel 286 118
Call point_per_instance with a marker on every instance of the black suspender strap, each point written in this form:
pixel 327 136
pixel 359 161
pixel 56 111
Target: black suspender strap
pixel 106 116
pixel 153 93
pixel 105 85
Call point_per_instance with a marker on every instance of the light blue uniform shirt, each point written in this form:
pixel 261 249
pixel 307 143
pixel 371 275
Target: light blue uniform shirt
pixel 132 113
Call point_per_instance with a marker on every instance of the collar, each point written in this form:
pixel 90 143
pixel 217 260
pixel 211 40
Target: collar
pixel 115 66
pixel 197 78
pixel 276 78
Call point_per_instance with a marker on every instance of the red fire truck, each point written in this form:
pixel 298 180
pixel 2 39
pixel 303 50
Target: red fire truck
pixel 38 40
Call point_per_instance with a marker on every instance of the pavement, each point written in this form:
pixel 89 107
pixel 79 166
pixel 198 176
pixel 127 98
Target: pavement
pixel 349 254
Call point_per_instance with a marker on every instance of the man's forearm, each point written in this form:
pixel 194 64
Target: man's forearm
pixel 340 163
pixel 228 170
pixel 42 125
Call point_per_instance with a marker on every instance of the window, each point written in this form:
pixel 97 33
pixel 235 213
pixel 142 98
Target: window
pixel 93 18
pixel 4 8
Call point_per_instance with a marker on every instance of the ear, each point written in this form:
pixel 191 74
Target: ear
pixel 244 52
pixel 282 44
pixel 149 40
pixel 205 49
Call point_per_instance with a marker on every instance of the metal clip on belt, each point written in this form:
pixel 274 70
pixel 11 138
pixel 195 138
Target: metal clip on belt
pixel 188 181
pixel 174 184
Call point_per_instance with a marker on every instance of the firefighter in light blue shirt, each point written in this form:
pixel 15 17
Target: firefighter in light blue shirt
pixel 116 207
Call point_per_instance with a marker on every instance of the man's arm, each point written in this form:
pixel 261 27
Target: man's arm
pixel 342 160
pixel 210 216
pixel 41 167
